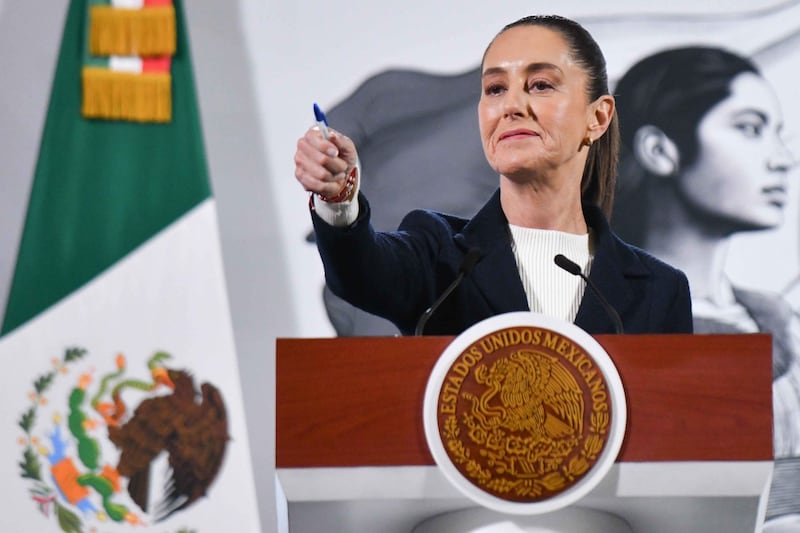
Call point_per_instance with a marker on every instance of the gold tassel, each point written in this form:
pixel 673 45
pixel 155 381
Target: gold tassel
pixel 126 96
pixel 149 31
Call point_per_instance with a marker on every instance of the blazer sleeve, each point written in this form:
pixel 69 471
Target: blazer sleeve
pixel 389 274
pixel 679 316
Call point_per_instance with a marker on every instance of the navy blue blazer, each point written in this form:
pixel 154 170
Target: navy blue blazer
pixel 398 275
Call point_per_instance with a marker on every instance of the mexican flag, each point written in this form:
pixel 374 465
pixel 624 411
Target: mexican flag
pixel 122 406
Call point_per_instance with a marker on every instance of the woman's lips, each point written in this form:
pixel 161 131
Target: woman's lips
pixel 518 133
pixel 776 195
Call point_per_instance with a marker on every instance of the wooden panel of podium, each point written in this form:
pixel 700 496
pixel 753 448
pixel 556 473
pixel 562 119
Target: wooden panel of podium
pixel 351 453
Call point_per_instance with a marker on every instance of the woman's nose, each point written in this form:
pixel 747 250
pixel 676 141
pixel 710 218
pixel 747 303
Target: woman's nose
pixel 515 104
pixel 782 158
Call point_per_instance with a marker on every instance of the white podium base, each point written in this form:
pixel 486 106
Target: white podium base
pixel 569 520
pixel 665 497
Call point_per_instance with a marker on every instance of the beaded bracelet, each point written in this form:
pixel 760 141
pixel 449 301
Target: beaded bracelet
pixel 347 192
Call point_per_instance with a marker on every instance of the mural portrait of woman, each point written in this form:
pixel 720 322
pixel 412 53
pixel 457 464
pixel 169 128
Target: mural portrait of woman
pixel 703 160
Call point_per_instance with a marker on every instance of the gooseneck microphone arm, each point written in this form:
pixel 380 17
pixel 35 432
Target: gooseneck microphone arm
pixel 467 264
pixel 572 267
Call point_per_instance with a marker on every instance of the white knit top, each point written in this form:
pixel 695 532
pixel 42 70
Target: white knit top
pixel 551 290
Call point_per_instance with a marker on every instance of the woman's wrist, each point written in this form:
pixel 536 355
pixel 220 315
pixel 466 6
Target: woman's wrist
pixel 340 210
pixel 348 190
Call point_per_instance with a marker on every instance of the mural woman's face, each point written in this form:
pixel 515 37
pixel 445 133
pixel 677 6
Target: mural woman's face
pixel 739 178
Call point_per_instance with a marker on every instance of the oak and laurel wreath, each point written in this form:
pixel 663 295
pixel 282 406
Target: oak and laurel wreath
pixel 553 481
pixel 41 492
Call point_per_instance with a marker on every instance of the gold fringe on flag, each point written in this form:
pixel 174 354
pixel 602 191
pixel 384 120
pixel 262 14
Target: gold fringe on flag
pixel 126 96
pixel 149 31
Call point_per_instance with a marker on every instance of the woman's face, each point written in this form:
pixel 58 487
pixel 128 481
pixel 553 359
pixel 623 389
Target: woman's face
pixel 739 178
pixel 533 112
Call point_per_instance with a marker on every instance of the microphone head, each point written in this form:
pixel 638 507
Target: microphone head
pixel 567 264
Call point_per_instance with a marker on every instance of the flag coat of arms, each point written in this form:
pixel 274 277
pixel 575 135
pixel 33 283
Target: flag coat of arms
pixel 122 406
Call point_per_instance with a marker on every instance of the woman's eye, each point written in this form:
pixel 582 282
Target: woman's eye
pixel 540 85
pixel 494 89
pixel 750 129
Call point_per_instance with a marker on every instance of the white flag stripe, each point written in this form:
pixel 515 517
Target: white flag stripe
pixel 128 4
pixel 125 63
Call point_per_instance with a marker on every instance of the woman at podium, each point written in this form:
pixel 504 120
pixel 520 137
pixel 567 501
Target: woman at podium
pixel 548 127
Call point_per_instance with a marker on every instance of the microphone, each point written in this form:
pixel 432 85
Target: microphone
pixel 571 267
pixel 467 264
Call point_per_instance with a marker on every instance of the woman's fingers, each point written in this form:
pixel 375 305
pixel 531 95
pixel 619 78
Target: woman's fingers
pixel 320 164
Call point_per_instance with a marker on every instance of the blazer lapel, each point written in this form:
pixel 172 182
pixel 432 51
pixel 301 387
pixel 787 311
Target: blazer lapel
pixel 611 269
pixel 495 275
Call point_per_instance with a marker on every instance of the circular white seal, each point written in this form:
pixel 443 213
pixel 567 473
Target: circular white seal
pixel 524 413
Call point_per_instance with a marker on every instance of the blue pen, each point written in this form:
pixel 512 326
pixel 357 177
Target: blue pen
pixel 322 122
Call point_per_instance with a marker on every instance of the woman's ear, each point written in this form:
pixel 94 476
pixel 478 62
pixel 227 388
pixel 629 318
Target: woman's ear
pixel 655 151
pixel 602 113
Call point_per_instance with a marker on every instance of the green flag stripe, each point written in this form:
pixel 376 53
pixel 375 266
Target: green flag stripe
pixel 101 188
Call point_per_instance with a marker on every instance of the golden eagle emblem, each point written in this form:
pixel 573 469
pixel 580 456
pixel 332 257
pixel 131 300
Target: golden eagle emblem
pixel 523 420
pixel 529 392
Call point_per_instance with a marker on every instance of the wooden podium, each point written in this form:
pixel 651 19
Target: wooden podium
pixel 351 453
